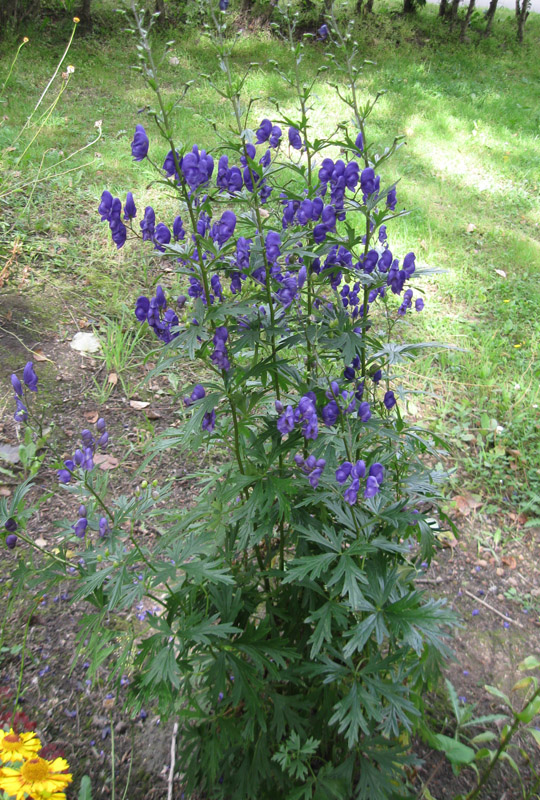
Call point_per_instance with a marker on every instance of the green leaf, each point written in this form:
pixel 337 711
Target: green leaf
pixel 497 693
pixel 530 711
pixel 456 752
pixel 531 662
pixel 85 791
pixel 535 733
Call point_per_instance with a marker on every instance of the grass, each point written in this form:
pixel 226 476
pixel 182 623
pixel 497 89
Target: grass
pixel 469 173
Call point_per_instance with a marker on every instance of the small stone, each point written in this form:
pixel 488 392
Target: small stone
pixel 482 562
pixel 121 726
pixel 500 572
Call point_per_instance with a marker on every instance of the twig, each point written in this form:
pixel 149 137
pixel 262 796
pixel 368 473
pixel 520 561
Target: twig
pixel 495 611
pixel 173 761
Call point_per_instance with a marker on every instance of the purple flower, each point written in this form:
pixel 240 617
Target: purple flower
pixel 382 233
pixel 162 236
pixel 330 413
pixel 30 377
pixel 80 527
pixel 343 472
pixel 377 471
pixel 391 199
pixel 408 264
pixel 419 304
pixel 295 139
pixel 21 413
pixel 140 143
pixel 209 421
pixel 178 229
pixel 351 494
pixel 105 205
pixel 264 131
pixel 364 411
pixel 223 5
pixel 368 182
pixel 197 167
pixel 389 400
pixel 103 527
pixel 359 143
pixel 285 423
pixel 148 224
pixel 130 210
pixel 169 166
pixel 475 612
pixel 225 227
pixel 275 136
pixel 322 33
pixel 118 232
pixel 11 541
pixel 197 394
pixel 372 487
pixel 272 242
pixel 17 385
pixel 10 525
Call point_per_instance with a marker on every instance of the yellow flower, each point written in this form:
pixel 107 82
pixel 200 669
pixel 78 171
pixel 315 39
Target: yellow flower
pixel 16 746
pixel 26 39
pixel 36 777
pixel 76 20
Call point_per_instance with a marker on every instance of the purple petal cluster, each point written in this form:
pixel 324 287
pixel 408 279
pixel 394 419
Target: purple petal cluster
pixel 356 473
pixel 266 132
pixel 11 539
pixel 83 457
pixel 312 467
pixel 30 380
pixel 340 176
pixel 369 183
pixel 197 168
pixel 160 318
pixel 305 413
pixel 229 179
pixel 110 209
pixel 220 356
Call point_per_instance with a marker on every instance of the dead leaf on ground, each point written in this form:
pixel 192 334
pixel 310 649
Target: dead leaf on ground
pixel 113 378
pixel 471 227
pixel 466 502
pixel 39 355
pixel 151 414
pixel 138 405
pixel 105 461
pixel 501 272
pixel 510 561
pixel 5 491
pixel 41 542
pixel 447 538
pixel 91 416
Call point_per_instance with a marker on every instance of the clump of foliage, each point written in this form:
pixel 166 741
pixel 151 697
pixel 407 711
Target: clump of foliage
pixel 291 640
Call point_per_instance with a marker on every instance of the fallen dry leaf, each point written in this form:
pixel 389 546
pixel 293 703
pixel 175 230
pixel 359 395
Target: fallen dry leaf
pixel 151 414
pixel 446 538
pixel 510 561
pixel 91 416
pixel 501 272
pixel 471 227
pixel 466 502
pixel 41 542
pixel 105 461
pixel 5 491
pixel 138 405
pixel 113 378
pixel 39 355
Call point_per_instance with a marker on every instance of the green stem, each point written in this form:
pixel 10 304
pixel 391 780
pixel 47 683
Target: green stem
pixel 21 669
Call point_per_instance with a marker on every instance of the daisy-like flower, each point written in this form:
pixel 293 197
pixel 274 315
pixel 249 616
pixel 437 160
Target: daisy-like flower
pixel 38 778
pixel 16 746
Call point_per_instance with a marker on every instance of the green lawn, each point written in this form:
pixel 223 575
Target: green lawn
pixel 469 173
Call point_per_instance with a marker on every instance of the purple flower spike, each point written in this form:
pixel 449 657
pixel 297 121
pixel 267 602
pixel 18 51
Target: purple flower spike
pixel 17 385
pixel 30 377
pixel 140 144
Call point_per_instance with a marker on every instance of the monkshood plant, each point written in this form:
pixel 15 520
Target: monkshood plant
pixel 289 638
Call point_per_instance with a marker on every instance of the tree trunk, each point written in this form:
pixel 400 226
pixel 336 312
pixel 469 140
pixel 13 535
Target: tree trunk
pixel 443 8
pixel 522 12
pixel 85 16
pixel 409 6
pixel 467 19
pixel 359 4
pixel 453 12
pixel 490 15
pixel 369 7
